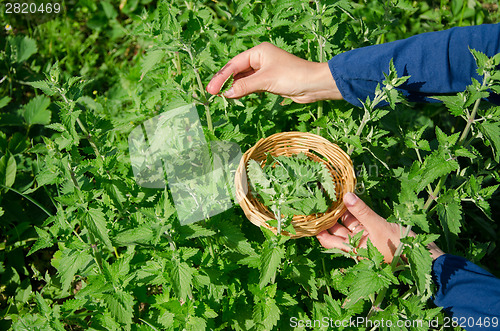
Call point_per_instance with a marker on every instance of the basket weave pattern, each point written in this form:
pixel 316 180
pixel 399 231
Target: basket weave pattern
pixel 315 147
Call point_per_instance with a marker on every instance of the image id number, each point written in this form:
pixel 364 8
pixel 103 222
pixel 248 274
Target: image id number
pixel 464 322
pixel 32 8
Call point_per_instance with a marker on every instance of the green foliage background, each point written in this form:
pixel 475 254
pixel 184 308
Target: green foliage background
pixel 82 246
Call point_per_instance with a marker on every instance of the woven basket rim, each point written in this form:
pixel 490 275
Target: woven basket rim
pixel 294 142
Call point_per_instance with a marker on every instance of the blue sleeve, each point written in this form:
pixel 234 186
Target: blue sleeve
pixel 438 62
pixel 466 291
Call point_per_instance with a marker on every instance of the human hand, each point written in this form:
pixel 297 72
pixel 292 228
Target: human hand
pixel 268 68
pixel 359 217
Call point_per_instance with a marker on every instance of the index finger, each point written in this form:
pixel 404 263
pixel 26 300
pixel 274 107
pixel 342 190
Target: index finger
pixel 239 63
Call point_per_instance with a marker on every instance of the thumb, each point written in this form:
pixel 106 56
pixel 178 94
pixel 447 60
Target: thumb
pixel 360 210
pixel 245 86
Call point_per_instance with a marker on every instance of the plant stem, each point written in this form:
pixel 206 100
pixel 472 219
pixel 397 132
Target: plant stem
pixel 29 199
pixel 89 138
pixel 461 140
pixel 429 187
pixel 70 104
pixel 394 264
pixel 364 120
pixel 97 252
pixel 326 276
pixel 202 89
pixel 320 58
pixel 279 221
pixel 470 120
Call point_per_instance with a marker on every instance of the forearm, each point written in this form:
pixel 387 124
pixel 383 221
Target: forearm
pixel 438 62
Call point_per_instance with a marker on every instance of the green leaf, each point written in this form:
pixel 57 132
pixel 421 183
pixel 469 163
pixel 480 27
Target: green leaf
pixel 42 304
pixel 449 212
pixel 266 313
pixel 257 177
pixel 71 261
pixel 17 143
pixel 4 101
pixel 23 48
pixel 455 103
pixel 364 283
pixel 150 61
pixel 36 112
pixel 44 240
pixel 444 140
pixel 142 234
pixel 228 83
pixel 232 236
pixel 270 260
pixel 8 169
pixel 285 299
pixel 491 130
pixel 327 183
pixel 420 261
pixel 194 230
pixel 95 222
pixel 43 85
pixel 435 165
pixel 121 306
pixel 182 276
pixel 109 10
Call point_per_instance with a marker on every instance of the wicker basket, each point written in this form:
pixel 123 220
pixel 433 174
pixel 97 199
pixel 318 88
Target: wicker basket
pixel 315 147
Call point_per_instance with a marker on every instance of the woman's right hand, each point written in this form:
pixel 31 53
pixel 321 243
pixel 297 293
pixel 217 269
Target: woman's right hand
pixel 359 217
pixel 268 68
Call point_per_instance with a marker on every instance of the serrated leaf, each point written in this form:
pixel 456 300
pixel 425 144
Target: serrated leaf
pixel 150 61
pixel 364 283
pixel 74 304
pixel 42 304
pixel 463 152
pixel 435 165
pixel 121 306
pixel 95 222
pixel 23 47
pixel 140 235
pixel 257 176
pixel 266 313
pixel 450 215
pixel 444 140
pixel 36 112
pixel 181 275
pixel 285 299
pixel 327 183
pixel 44 86
pixel 492 132
pixel 115 191
pixel 420 261
pixel 228 83
pixel 487 192
pixel 232 236
pixel 194 230
pixel 455 104
pixel 44 240
pixel 270 260
pixel 71 261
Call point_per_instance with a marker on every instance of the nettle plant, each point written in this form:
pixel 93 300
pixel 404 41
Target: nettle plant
pixel 291 185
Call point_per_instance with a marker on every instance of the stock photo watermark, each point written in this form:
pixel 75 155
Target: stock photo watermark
pixel 364 322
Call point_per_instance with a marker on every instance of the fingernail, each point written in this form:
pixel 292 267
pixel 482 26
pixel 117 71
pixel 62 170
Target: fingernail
pixel 350 199
pixel 229 93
